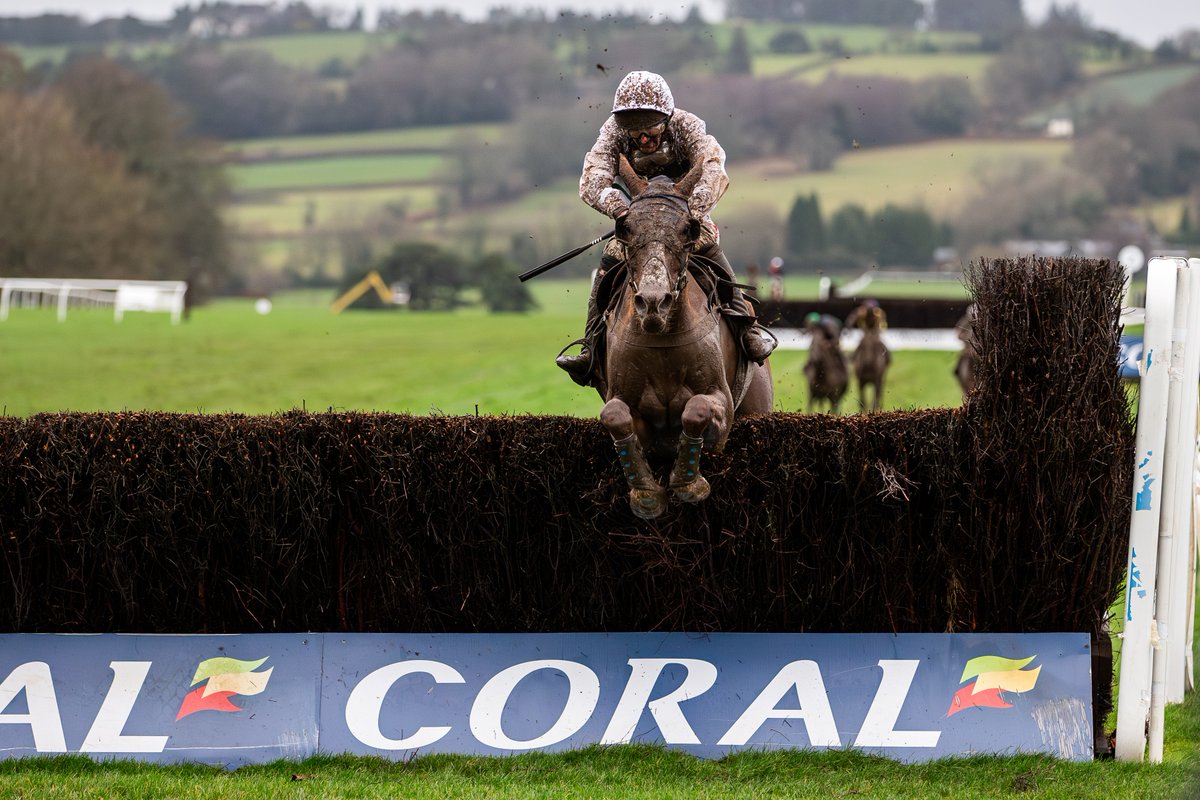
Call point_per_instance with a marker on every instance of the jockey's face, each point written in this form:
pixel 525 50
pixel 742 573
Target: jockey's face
pixel 647 140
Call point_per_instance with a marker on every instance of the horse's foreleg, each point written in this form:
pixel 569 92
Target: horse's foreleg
pixel 646 498
pixel 686 481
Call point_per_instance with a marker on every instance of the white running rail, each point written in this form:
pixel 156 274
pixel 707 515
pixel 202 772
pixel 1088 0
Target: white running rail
pixel 120 295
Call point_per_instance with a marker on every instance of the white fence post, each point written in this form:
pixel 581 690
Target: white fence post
pixel 1172 528
pixel 1133 698
pixel 1179 616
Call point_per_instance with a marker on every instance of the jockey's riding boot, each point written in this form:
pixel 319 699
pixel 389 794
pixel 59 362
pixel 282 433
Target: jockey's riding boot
pixel 580 366
pixel 755 341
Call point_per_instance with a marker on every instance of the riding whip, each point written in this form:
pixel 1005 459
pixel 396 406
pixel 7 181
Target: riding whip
pixel 554 262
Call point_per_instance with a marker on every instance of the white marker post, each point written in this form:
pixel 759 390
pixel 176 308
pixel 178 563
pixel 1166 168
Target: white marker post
pixel 1133 698
pixel 1180 612
pixel 1172 527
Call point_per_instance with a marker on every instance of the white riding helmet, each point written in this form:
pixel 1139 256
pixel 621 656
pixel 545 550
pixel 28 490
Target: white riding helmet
pixel 644 91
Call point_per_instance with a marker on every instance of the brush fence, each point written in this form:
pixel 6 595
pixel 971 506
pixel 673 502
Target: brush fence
pixel 1008 514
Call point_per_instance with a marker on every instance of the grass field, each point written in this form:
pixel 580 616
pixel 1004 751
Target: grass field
pixel 336 171
pixel 616 772
pixel 228 358
pixel 435 136
pixel 904 66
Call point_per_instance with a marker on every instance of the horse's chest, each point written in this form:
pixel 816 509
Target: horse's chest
pixel 660 394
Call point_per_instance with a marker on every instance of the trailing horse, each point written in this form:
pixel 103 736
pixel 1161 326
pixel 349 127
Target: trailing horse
pixel 674 376
pixel 827 371
pixel 871 358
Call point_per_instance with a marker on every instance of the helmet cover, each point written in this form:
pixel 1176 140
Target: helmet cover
pixel 644 91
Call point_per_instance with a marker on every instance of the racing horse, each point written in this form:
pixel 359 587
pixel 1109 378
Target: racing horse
pixel 872 357
pixel 674 376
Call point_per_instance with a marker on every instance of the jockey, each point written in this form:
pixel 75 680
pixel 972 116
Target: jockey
pixel 658 139
pixel 867 315
pixel 824 325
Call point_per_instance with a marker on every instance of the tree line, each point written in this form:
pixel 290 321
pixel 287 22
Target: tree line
pixel 138 188
pixel 100 178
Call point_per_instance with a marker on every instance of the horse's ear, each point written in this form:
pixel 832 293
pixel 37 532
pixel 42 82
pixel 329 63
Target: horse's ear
pixel 689 181
pixel 633 182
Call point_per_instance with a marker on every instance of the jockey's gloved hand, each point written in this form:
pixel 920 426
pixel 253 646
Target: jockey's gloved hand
pixel 614 202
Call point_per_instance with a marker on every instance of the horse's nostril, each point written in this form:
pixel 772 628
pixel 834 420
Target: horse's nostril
pixel 639 304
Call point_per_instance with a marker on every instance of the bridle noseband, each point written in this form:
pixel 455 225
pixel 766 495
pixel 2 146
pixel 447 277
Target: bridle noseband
pixel 681 279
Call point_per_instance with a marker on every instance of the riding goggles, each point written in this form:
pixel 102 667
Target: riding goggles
pixel 647 134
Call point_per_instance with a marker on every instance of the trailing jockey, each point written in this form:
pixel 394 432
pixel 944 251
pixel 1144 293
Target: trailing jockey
pixel 658 139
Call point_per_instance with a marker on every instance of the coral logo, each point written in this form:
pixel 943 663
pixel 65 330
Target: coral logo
pixel 225 677
pixel 993 675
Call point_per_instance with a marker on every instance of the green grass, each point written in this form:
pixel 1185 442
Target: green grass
pixel 436 136
pixel 902 66
pixel 310 50
pixel 283 214
pixel 854 38
pixel 336 171
pixel 940 175
pixel 227 358
pixel 1135 88
pixel 625 771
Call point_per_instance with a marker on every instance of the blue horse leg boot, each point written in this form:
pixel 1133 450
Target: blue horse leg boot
pixel 756 342
pixel 580 366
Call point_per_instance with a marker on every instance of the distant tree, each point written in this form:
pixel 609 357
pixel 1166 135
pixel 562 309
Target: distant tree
pixel 1027 199
pixel 68 207
pixel 982 16
pixel 549 143
pixel 945 106
pixel 751 234
pixel 891 13
pixel 1111 159
pixel 1030 71
pixel 850 230
pixel 496 275
pixel 805 229
pixel 235 93
pixel 870 110
pixel 904 235
pixel 484 171
pixel 435 276
pixel 899 13
pixel 1167 52
pixel 777 10
pixel 791 40
pixel 124 113
pixel 484 81
pixel 12 72
pixel 737 60
pixel 1133 159
pixel 694 18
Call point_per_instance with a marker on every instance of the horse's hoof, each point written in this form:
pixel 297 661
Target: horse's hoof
pixel 648 505
pixel 694 491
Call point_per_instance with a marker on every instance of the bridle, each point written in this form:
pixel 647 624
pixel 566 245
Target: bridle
pixel 682 277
